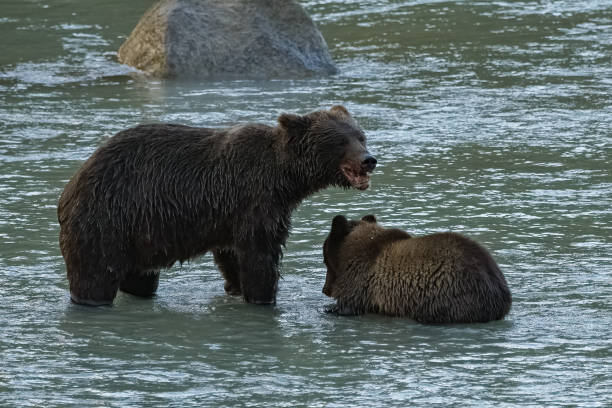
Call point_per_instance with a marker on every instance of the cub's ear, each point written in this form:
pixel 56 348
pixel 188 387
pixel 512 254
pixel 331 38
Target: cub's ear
pixel 340 226
pixel 293 123
pixel 368 218
pixel 339 110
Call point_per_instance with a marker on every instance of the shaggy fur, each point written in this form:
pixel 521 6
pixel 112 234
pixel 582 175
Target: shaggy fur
pixel 156 194
pixel 438 278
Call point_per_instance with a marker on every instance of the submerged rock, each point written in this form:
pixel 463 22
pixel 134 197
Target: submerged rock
pixel 229 38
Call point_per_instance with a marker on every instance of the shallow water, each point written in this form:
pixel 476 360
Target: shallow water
pixel 490 118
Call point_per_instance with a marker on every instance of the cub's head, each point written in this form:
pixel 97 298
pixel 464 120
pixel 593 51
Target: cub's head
pixel 333 144
pixel 346 238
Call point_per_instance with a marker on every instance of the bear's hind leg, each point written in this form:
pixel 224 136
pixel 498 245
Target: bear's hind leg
pixel 89 287
pixel 140 283
pixel 227 261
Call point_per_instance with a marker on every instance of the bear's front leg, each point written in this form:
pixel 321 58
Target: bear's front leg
pixel 259 272
pixel 227 261
pixel 341 310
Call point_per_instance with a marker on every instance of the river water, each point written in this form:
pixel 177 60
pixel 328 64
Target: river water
pixel 489 118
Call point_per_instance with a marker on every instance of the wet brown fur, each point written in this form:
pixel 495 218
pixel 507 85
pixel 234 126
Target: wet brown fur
pixel 437 278
pixel 156 194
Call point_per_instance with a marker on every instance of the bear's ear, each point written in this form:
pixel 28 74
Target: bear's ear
pixel 340 226
pixel 293 123
pixel 368 218
pixel 339 110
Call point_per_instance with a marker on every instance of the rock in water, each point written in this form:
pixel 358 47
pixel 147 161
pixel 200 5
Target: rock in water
pixel 227 39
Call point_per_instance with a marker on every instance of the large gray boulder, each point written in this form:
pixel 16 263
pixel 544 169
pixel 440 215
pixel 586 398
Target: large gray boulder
pixel 227 39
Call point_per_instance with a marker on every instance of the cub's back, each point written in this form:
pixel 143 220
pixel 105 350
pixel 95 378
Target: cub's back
pixel 442 277
pixel 426 254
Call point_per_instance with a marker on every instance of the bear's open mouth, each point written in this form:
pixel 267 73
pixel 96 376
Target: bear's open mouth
pixel 357 176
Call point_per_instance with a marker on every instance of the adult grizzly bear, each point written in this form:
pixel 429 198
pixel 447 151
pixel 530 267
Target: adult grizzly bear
pixel 156 194
pixel 438 278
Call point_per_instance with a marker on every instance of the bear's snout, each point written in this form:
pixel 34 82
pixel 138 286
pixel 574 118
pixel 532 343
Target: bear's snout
pixel 369 162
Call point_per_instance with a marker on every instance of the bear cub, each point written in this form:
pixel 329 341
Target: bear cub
pixel 156 194
pixel 437 278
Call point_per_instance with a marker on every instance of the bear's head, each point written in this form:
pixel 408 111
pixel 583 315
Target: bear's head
pixel 352 247
pixel 332 144
pixel 347 239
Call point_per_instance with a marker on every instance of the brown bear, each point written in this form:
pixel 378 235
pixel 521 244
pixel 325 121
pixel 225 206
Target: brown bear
pixel 437 278
pixel 160 193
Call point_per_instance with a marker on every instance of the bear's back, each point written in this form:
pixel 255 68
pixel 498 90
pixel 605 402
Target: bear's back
pixel 442 277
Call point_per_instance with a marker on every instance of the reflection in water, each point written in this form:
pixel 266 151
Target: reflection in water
pixel 488 118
